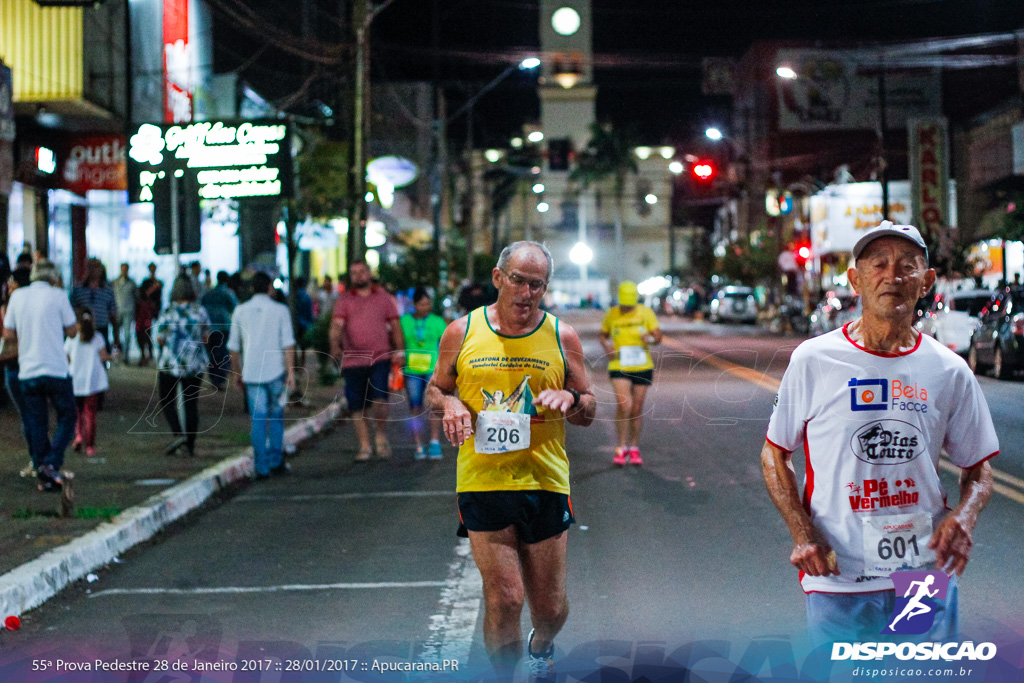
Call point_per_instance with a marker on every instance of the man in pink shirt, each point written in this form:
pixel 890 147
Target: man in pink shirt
pixel 364 335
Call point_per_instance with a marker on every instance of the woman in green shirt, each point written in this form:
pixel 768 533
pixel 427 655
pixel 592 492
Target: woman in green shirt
pixel 422 330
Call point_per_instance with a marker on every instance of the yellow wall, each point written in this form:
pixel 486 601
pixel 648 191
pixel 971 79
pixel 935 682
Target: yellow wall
pixel 43 46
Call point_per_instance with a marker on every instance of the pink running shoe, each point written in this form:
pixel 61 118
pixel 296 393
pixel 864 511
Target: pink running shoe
pixel 634 457
pixel 620 456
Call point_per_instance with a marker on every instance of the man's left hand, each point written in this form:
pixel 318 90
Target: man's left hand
pixel 555 399
pixel 952 545
pixel 289 382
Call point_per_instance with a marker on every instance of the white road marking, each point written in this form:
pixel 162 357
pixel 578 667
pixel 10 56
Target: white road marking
pixel 452 628
pixel 345 496
pixel 238 590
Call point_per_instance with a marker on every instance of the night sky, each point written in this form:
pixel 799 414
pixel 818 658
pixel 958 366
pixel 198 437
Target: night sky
pixel 647 52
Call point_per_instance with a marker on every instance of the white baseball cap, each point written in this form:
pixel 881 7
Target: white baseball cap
pixel 885 229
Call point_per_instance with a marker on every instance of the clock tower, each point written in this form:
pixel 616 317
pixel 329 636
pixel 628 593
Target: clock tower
pixel 567 88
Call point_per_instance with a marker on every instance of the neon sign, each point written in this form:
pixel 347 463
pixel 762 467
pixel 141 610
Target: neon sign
pixel 224 159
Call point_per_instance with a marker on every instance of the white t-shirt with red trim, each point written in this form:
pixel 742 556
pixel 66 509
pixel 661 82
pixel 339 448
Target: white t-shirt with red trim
pixel 872 427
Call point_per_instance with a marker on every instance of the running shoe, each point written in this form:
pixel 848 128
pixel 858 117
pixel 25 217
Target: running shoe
pixel 383 447
pixel 90 452
pixel 541 667
pixel 435 450
pixel 634 456
pixel 620 456
pixel 50 478
pixel 420 454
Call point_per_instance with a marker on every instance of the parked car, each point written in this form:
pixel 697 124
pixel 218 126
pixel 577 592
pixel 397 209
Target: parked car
pixel 734 304
pixel 952 317
pixel 998 343
pixel 835 310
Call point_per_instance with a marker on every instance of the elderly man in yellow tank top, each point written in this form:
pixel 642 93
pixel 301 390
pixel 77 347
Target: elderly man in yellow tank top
pixel 508 376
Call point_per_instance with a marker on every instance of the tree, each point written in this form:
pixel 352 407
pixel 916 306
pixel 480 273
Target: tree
pixel 608 155
pixel 749 264
pixel 323 178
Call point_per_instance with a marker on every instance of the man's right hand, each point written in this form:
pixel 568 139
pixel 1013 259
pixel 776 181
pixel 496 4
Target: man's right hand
pixel 457 421
pixel 814 557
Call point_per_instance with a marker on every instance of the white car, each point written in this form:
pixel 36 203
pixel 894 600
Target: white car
pixel 953 317
pixel 734 304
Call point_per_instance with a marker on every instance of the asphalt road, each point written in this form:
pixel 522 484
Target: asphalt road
pixel 339 565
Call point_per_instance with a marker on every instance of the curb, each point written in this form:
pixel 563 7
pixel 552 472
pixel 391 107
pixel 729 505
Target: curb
pixel 35 582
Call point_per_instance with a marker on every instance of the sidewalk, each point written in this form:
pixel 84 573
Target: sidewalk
pixel 130 470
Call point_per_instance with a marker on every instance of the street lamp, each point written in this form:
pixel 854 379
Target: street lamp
pixel 713 133
pixel 785 72
pixel 581 254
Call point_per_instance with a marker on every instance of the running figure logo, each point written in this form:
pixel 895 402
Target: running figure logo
pixel 922 593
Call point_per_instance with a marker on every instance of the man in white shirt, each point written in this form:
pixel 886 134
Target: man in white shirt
pixel 262 346
pixel 873 405
pixel 39 317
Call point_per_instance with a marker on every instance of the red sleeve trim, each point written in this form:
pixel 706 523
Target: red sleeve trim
pixel 777 445
pixel 881 590
pixel 985 459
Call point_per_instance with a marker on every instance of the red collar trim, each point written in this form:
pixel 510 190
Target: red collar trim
pixel 883 354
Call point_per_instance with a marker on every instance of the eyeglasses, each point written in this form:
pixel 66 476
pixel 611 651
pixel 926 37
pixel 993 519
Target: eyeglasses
pixel 519 281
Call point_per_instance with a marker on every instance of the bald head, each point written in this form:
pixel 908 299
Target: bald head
pixel 538 249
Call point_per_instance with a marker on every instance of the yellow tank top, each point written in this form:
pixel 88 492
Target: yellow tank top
pixel 628 329
pixel 499 373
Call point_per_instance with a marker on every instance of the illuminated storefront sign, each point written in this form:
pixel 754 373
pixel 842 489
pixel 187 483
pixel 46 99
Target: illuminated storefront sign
pixel 177 63
pixel 929 173
pixel 223 159
pixel 92 163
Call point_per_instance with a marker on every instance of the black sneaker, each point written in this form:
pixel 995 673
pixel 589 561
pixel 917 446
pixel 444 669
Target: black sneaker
pixel 50 479
pixel 541 666
pixel 175 445
pixel 282 469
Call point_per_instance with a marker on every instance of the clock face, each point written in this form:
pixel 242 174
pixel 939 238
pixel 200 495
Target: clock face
pixel 565 21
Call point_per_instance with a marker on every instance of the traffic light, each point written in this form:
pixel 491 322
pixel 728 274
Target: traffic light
pixel 802 253
pixel 704 170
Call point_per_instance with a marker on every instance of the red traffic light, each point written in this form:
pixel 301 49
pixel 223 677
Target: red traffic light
pixel 802 252
pixel 703 170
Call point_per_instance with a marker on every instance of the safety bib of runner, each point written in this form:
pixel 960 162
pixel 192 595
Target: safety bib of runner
pixel 501 432
pixel 419 362
pixel 897 543
pixel 632 356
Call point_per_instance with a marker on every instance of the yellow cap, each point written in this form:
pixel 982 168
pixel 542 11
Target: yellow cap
pixel 628 295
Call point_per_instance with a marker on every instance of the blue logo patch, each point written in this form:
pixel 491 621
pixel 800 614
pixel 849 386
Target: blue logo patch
pixel 869 394
pixel 918 595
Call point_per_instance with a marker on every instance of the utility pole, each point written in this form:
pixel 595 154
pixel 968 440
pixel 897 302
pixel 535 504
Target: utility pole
pixel 438 160
pixel 470 209
pixel 883 142
pixel 355 245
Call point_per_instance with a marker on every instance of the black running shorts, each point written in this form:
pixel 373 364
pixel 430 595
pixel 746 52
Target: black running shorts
pixel 536 515
pixel 641 377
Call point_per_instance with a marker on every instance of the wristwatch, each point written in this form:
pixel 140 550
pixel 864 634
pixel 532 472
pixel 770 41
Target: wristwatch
pixel 575 397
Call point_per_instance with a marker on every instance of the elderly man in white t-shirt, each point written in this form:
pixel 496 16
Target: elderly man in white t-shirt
pixel 873 405
pixel 39 317
pixel 262 346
